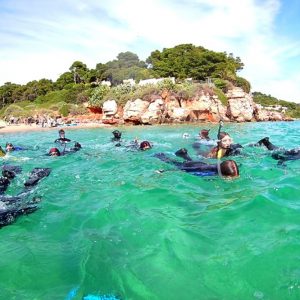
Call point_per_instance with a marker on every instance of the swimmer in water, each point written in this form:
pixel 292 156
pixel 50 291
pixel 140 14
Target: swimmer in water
pixel 204 134
pixel 62 139
pixel 228 168
pixel 225 147
pixel 145 145
pixel 55 151
pixel 13 206
pixel 279 154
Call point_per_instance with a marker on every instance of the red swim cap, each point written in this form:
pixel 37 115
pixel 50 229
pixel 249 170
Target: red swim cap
pixel 54 151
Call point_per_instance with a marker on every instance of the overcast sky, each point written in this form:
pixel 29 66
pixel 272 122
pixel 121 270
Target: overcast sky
pixel 42 38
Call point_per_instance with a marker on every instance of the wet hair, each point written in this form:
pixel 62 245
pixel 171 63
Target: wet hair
pixel 54 151
pixel 222 135
pixel 145 144
pixel 229 168
pixel 61 131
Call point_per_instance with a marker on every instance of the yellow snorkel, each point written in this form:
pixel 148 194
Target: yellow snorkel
pixel 219 151
pixel 2 152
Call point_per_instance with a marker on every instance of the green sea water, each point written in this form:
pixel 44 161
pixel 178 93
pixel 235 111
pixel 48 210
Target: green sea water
pixel 109 224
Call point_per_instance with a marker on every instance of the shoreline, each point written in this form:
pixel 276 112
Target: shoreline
pixel 31 128
pixel 28 128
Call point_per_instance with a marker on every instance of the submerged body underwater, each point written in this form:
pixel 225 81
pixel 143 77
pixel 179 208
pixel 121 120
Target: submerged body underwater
pixel 109 224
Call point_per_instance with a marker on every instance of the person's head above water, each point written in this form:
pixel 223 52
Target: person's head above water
pixel 225 140
pixel 204 134
pixel 145 145
pixel 61 133
pixel 229 168
pixel 117 134
pixel 54 152
pixel 9 147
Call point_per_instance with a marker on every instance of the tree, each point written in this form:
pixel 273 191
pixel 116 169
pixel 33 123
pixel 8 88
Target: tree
pixel 126 66
pixel 6 93
pixel 79 71
pixel 187 60
pixel 63 80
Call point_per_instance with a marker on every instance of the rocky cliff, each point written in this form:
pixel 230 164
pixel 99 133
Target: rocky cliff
pixel 173 108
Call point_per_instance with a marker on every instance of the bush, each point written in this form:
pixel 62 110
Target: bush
pixel 64 110
pixel 186 90
pixel 221 96
pixel 243 83
pixel 121 93
pixel 221 84
pixel 166 84
pixel 13 110
pixel 98 94
pixel 77 110
pixel 145 91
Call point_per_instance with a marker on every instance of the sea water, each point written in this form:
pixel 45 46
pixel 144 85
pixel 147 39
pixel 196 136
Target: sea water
pixel 109 224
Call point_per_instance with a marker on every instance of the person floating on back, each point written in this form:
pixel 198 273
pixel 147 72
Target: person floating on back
pixel 228 168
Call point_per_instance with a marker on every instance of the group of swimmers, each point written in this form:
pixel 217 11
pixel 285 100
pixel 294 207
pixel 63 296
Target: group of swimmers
pixel 13 206
pixel 222 147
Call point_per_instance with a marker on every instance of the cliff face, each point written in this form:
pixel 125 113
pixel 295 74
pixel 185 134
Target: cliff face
pixel 171 108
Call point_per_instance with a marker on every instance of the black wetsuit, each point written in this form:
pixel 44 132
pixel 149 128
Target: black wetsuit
pixel 197 168
pixel 293 154
pixel 62 140
pixel 280 154
pixel 13 206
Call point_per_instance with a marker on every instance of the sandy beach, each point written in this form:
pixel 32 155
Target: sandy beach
pixel 27 128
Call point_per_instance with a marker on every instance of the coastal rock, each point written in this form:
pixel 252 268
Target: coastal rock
pixel 153 114
pixel 133 110
pixel 205 107
pixel 240 105
pixel 262 114
pixel 109 108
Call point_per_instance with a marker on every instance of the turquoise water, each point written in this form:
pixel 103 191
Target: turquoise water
pixel 109 224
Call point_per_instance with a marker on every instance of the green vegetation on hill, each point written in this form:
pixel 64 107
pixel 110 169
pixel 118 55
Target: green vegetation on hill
pixel 80 84
pixel 293 109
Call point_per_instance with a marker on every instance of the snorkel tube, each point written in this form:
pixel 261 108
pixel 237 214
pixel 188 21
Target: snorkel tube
pixel 219 151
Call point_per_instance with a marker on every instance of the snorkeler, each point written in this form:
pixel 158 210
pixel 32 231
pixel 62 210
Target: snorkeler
pixel 204 134
pixel 227 168
pixel 279 154
pixel 225 147
pixel 55 151
pixel 13 206
pixel 145 145
pixel 10 147
pixel 62 139
pixel 116 137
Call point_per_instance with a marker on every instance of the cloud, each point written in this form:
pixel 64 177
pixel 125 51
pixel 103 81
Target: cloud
pixel 43 39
